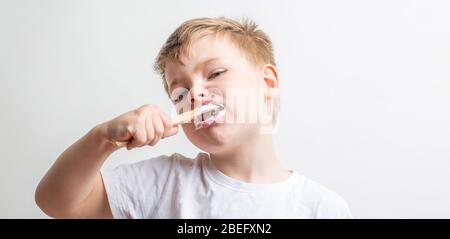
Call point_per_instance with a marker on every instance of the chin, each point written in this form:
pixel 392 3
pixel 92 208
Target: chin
pixel 213 139
pixel 218 138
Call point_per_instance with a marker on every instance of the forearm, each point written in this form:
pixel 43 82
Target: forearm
pixel 73 186
pixel 72 177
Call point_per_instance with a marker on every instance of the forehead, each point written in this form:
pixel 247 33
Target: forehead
pixel 206 49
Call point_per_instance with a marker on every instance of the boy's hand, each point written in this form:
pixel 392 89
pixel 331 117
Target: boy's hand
pixel 143 126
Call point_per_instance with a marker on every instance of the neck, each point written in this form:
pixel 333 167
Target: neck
pixel 254 161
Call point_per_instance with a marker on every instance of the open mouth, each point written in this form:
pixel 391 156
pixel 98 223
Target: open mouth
pixel 211 113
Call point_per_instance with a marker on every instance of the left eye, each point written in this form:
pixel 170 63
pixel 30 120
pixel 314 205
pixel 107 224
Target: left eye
pixel 216 74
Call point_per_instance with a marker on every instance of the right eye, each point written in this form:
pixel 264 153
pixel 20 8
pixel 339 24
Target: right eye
pixel 180 97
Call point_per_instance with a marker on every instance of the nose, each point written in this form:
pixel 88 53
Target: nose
pixel 200 96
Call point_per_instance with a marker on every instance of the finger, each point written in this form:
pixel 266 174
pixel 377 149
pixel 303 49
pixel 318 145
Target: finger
pixel 169 127
pixel 139 137
pixel 158 126
pixel 149 130
pixel 171 131
pixel 166 120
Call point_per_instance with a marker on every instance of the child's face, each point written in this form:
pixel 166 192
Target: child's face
pixel 214 67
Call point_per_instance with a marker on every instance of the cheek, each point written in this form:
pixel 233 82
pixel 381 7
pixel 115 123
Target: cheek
pixel 192 135
pixel 242 80
pixel 195 136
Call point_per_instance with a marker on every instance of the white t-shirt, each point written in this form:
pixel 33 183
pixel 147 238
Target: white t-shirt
pixel 180 187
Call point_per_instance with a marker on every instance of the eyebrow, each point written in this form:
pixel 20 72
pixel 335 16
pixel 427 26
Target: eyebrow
pixel 205 62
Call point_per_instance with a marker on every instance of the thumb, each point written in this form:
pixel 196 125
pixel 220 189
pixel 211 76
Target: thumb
pixel 170 131
pixel 169 127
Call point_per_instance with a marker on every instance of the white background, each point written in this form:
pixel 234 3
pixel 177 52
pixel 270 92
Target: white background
pixel 365 91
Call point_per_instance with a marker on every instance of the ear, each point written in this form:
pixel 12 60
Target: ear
pixel 271 80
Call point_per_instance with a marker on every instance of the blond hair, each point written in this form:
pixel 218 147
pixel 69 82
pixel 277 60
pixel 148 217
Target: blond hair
pixel 245 34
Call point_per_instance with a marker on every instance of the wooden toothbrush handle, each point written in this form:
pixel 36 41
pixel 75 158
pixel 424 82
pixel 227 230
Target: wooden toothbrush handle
pixel 179 119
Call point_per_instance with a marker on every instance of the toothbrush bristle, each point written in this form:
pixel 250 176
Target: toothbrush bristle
pixel 207 114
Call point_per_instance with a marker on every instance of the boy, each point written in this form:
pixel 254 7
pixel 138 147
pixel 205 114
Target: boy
pixel 204 61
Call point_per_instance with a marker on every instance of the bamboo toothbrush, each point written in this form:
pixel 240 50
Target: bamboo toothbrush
pixel 186 117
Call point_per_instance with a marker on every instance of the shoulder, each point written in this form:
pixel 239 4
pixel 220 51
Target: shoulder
pixel 322 202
